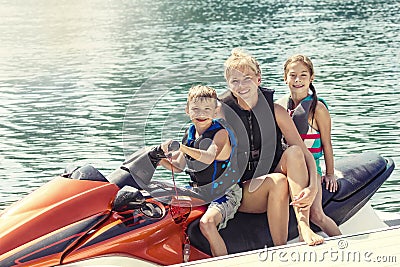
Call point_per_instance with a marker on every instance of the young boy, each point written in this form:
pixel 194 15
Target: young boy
pixel 208 152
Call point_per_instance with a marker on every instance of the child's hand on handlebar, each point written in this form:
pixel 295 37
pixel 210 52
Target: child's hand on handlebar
pixel 170 146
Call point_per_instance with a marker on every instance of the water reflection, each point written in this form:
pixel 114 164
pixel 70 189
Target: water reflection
pixel 88 81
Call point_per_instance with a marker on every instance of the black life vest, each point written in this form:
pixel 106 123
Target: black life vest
pixel 258 152
pixel 221 174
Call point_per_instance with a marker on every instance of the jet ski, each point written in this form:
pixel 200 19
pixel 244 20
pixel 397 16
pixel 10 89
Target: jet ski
pixel 83 216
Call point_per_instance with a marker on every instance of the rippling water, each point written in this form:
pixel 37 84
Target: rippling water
pixel 91 81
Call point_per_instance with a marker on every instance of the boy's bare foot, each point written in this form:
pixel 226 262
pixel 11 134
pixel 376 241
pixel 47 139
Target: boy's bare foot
pixel 311 238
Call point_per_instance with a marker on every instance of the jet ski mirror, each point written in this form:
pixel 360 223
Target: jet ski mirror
pixel 128 198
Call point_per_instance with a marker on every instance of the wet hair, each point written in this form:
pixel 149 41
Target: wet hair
pixel 241 60
pixel 201 93
pixel 309 65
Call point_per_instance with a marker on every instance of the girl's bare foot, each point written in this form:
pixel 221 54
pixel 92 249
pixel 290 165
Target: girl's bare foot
pixel 311 238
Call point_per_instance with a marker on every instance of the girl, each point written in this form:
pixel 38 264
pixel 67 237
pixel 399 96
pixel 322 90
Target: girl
pixel 312 119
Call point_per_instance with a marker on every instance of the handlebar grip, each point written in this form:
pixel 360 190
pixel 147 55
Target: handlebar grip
pixel 174 146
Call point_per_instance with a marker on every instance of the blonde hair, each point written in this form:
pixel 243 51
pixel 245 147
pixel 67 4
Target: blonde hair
pixel 201 92
pixel 241 60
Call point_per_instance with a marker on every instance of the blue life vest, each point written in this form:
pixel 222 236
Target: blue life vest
pixel 220 173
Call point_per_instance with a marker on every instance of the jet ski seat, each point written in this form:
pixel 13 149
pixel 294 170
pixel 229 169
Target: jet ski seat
pixel 360 177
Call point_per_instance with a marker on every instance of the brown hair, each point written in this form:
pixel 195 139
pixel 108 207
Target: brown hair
pixel 307 62
pixel 201 92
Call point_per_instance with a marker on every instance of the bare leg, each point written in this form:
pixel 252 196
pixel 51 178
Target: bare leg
pixel 293 165
pixel 318 217
pixel 208 226
pixel 269 194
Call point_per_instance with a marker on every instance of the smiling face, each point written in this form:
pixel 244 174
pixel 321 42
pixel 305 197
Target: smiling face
pixel 243 75
pixel 243 84
pixel 298 77
pixel 201 111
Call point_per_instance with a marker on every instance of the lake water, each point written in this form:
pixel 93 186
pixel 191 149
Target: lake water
pixel 92 81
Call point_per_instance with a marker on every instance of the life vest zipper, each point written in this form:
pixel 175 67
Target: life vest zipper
pixel 249 118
